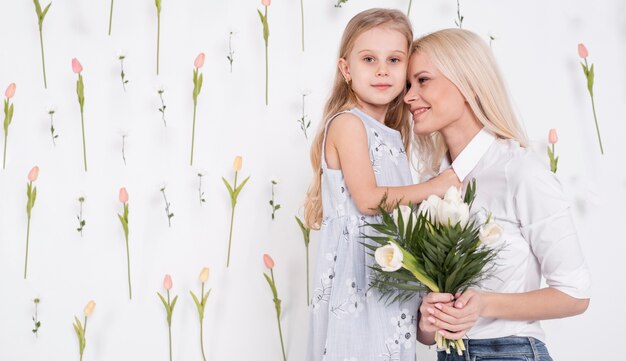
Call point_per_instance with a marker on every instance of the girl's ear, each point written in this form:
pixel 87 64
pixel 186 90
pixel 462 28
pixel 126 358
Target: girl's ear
pixel 344 68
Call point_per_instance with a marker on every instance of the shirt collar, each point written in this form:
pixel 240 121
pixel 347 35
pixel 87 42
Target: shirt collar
pixel 471 154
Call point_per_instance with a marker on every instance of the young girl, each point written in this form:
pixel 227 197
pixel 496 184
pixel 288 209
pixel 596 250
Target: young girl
pixel 359 156
pixel 462 114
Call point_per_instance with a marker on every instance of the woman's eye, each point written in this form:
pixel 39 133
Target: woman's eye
pixel 422 80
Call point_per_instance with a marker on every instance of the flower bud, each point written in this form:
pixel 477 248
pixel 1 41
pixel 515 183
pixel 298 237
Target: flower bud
pixel 33 174
pixel 76 66
pixel 266 2
pixel 582 51
pixel 123 195
pixel 204 275
pixel 552 136
pixel 10 92
pixel 237 163
pixel 89 308
pixel 167 282
pixel 269 262
pixel 199 61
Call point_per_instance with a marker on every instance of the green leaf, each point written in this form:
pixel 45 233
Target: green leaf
pixel 199 306
pixel 240 187
pixel 174 303
pixel 10 115
pixel 167 307
pixel 230 189
pixel 37 8
pixel 34 198
pixel 272 286
pixel 306 232
pixel 206 296
pixel 45 11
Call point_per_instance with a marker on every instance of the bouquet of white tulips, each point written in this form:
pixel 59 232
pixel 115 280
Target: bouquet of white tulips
pixel 441 247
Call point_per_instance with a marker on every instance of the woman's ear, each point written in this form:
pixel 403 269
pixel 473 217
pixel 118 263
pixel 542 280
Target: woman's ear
pixel 344 68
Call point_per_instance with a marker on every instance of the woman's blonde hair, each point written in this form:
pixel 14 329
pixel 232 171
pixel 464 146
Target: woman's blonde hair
pixel 467 61
pixel 343 98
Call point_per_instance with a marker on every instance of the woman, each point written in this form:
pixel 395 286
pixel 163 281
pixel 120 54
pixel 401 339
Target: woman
pixel 463 117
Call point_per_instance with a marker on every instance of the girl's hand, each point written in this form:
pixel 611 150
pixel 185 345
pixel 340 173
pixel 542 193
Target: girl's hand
pixel 444 181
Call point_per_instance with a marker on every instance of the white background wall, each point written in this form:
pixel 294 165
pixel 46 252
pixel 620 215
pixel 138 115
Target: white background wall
pixel 535 46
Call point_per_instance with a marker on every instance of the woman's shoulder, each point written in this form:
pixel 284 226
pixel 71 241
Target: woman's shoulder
pixel 523 165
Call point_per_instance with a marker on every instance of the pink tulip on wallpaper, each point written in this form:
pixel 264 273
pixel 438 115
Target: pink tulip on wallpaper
pixel 582 51
pixel 590 76
pixel 167 282
pixel 266 2
pixel 197 87
pixel 169 307
pixel 199 62
pixel 10 92
pixel 268 261
pixel 31 195
pixel 8 118
pixel 76 66
pixel 123 195
pixel 553 138
pixel 33 174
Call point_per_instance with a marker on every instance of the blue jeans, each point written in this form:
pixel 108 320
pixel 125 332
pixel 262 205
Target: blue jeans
pixel 504 348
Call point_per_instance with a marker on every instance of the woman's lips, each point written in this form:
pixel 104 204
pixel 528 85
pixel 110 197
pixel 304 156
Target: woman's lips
pixel 419 111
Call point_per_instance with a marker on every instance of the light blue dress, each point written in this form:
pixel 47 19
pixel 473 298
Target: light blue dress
pixel 348 322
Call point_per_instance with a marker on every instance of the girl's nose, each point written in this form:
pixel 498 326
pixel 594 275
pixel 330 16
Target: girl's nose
pixel 382 70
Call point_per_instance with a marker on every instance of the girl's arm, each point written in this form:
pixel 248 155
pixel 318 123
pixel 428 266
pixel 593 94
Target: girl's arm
pixel 347 149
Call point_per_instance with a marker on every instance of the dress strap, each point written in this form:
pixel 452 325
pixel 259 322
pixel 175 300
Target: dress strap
pixel 324 166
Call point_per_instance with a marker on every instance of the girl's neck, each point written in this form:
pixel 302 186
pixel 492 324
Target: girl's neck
pixel 458 135
pixel 377 112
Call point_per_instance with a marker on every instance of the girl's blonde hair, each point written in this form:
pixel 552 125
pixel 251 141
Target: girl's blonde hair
pixel 467 61
pixel 343 98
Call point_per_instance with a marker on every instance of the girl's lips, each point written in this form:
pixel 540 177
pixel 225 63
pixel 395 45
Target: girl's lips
pixel 382 86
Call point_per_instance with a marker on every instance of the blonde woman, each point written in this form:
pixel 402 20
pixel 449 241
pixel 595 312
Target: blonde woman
pixel 462 115
pixel 358 156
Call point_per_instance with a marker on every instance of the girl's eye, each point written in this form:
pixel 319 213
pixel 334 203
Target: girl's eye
pixel 394 60
pixel 369 59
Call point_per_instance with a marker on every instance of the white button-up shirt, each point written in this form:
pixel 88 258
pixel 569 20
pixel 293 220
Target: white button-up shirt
pixel 539 239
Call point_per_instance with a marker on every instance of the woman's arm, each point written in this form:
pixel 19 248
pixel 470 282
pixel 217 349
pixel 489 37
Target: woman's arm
pixel 346 149
pixel 543 304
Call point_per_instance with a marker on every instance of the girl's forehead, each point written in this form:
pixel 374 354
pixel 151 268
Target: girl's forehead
pixel 383 38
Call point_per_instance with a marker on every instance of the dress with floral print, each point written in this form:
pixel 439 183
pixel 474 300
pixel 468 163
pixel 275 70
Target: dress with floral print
pixel 349 321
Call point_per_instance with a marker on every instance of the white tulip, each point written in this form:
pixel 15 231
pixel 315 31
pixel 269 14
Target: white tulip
pixel 453 194
pixel 406 214
pixel 453 211
pixel 429 207
pixel 490 233
pixel 389 257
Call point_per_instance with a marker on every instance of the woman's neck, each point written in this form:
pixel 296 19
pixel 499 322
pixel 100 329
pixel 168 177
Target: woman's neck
pixel 458 135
